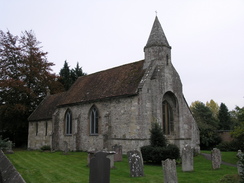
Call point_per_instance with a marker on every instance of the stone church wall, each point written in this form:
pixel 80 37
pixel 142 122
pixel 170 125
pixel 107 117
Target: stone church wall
pixel 39 134
pixel 118 124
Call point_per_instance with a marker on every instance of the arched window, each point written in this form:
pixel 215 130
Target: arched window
pixel 68 123
pixel 93 121
pixel 168 118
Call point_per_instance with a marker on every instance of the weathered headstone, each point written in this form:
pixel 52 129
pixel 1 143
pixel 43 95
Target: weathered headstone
pixel 100 168
pixel 216 158
pixel 187 158
pixel 110 155
pixel 9 148
pixel 8 173
pixel 169 170
pixel 135 163
pixel 66 148
pixel 240 156
pixel 118 152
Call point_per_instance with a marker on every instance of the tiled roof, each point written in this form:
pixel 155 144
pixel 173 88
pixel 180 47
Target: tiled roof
pixel 119 81
pixel 46 108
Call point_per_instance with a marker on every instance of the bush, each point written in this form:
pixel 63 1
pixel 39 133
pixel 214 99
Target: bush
pixel 46 148
pixel 234 145
pixel 159 154
pixel 158 150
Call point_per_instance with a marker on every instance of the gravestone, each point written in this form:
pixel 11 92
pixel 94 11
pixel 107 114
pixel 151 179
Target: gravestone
pixel 110 155
pixel 118 152
pixel 240 156
pixel 8 173
pixel 66 148
pixel 169 170
pixel 9 148
pixel 136 163
pixel 100 168
pixel 187 158
pixel 216 158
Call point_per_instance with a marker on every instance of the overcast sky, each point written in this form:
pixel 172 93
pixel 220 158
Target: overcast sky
pixel 206 36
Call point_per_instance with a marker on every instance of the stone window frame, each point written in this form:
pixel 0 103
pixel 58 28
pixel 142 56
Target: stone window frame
pixel 36 128
pixel 46 128
pixel 68 122
pixel 94 121
pixel 169 105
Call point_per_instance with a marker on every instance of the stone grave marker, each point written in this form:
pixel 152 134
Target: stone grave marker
pixel 66 148
pixel 239 155
pixel 216 158
pixel 118 152
pixel 100 168
pixel 136 163
pixel 169 170
pixel 187 158
pixel 9 148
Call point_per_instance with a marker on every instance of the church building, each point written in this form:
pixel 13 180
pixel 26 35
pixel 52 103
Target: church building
pixel 118 106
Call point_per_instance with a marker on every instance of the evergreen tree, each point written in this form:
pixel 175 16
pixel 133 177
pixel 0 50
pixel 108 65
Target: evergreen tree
pixel 65 76
pixel 76 72
pixel 69 76
pixel 224 118
pixel 157 138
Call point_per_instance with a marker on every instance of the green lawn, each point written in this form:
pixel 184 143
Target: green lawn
pixel 45 167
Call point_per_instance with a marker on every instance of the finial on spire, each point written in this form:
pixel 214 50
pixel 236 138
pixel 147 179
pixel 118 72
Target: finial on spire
pixel 156 13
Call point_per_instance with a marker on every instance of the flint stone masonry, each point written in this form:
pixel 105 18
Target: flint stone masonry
pixel 187 158
pixel 169 171
pixel 216 158
pixel 100 168
pixel 8 173
pixel 135 163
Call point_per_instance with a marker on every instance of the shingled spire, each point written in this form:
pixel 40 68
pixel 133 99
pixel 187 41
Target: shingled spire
pixel 157 36
pixel 157 47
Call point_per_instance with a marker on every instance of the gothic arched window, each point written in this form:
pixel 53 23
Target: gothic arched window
pixel 168 118
pixel 93 121
pixel 68 122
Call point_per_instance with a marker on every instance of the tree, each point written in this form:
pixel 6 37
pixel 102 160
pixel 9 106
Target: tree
pixel 214 107
pixel 69 76
pixel 65 76
pixel 238 132
pixel 24 79
pixel 207 125
pixel 76 72
pixel 224 118
pixel 157 138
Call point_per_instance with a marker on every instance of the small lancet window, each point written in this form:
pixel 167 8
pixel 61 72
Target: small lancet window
pixel 167 60
pixel 93 121
pixel 36 128
pixel 68 123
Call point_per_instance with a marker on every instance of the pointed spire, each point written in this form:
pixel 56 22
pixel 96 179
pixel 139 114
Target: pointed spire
pixel 157 36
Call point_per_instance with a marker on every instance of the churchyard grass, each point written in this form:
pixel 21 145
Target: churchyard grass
pixel 229 157
pixel 45 167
